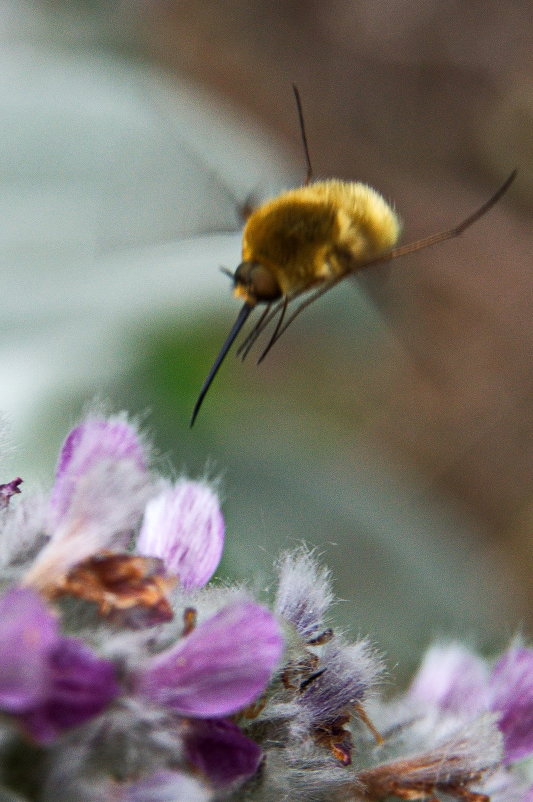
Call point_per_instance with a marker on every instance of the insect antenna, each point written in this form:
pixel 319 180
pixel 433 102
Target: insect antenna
pixel 401 250
pixel 309 173
pixel 284 303
pixel 237 326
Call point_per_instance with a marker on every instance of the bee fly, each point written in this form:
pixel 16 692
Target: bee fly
pixel 308 240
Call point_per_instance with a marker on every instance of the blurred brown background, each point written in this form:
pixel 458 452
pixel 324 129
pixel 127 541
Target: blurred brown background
pixel 350 427
pixel 432 103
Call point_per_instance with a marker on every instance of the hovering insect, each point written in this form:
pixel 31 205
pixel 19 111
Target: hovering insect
pixel 309 239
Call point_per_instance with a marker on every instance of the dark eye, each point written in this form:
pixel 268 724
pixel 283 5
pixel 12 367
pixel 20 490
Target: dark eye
pixel 264 284
pixel 242 274
pixel 258 280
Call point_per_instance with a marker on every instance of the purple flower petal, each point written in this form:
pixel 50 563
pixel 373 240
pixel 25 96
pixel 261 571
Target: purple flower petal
pixel 453 679
pixel 49 682
pixel 304 592
pixel 511 688
pixel 184 526
pixel 99 494
pixel 29 631
pixel 219 668
pixel 345 676
pixel 97 443
pixel 81 685
pixel 218 748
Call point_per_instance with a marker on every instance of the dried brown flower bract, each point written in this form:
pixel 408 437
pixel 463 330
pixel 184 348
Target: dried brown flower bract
pixel 419 779
pixel 127 589
pixel 454 768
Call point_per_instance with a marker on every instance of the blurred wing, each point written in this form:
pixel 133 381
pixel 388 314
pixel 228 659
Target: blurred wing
pixel 377 286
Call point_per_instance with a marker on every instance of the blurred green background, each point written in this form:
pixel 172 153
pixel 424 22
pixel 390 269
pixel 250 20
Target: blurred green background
pixel 397 438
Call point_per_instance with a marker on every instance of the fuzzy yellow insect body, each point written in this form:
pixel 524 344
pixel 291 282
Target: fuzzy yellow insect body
pixel 315 233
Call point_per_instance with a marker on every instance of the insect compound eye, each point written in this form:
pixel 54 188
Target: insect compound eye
pixel 258 281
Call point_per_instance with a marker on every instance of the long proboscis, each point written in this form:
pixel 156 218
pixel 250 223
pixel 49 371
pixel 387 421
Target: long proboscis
pixel 237 326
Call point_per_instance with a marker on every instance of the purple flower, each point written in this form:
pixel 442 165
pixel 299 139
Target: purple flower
pixel 28 633
pixel 347 674
pixel 453 679
pixel 7 490
pixel 49 682
pixel 511 694
pixel 184 526
pixel 80 685
pixel 95 452
pixel 100 490
pixel 218 748
pixel 219 668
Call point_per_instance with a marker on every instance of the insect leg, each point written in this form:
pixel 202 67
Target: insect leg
pixel 314 296
pixel 258 330
pixel 450 233
pixel 244 347
pixel 274 337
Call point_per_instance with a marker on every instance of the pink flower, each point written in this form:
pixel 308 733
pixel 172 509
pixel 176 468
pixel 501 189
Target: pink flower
pixel 185 528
